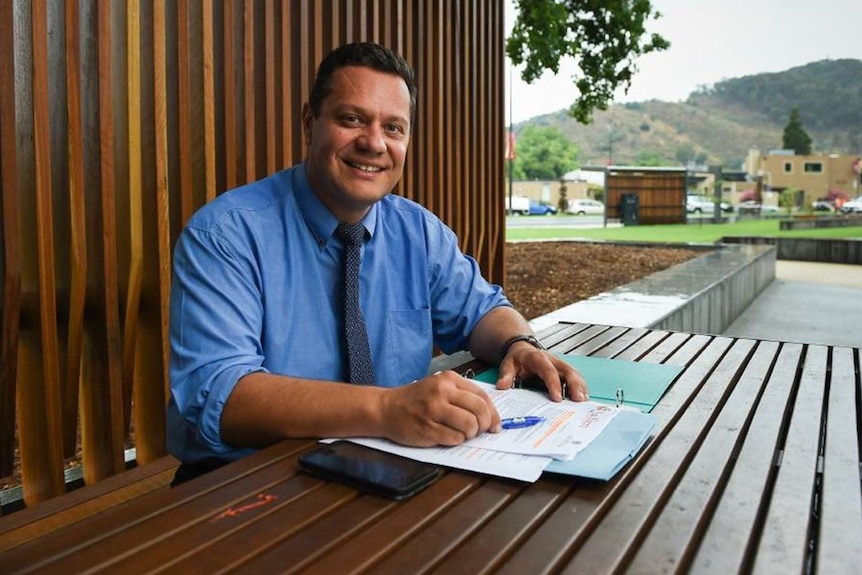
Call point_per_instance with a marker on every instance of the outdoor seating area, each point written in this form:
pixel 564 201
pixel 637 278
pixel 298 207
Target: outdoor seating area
pixel 119 120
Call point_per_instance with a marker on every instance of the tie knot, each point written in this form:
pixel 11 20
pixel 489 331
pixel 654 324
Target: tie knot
pixel 352 234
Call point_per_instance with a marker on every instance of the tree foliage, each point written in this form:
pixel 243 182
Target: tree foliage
pixel 604 37
pixel 795 136
pixel 544 154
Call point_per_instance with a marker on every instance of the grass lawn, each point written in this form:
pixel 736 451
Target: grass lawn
pixel 681 233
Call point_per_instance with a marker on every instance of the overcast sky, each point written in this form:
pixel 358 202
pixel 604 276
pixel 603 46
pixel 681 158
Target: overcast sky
pixel 712 40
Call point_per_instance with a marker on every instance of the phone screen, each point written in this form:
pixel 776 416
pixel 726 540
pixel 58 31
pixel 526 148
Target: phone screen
pixel 369 469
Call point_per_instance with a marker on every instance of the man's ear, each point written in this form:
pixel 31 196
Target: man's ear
pixel 307 119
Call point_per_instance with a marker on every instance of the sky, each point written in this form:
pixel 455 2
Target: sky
pixel 711 40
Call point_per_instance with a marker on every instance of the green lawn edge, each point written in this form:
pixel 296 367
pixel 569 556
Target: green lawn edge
pixel 695 232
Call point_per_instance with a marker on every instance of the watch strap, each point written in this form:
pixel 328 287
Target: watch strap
pixel 515 339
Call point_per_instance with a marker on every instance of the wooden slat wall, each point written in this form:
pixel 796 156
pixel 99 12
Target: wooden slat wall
pixel 119 119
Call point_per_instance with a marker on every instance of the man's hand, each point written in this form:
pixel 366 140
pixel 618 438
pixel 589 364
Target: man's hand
pixel 524 360
pixel 443 409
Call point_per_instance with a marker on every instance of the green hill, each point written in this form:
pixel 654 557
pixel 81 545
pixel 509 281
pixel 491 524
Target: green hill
pixel 719 124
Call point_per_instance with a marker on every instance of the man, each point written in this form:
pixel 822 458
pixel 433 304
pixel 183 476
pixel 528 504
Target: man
pixel 257 342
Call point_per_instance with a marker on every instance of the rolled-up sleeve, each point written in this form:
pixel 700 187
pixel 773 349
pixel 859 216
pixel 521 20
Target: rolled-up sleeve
pixel 215 330
pixel 460 295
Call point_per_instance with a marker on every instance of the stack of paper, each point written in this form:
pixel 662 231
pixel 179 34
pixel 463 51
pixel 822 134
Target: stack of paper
pixel 569 429
pixel 588 439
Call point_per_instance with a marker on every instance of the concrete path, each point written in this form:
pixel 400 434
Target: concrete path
pixel 808 303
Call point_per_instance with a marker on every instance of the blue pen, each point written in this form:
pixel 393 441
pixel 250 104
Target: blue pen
pixel 519 422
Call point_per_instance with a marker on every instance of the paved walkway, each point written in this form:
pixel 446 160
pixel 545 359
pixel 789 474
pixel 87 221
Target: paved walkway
pixel 809 303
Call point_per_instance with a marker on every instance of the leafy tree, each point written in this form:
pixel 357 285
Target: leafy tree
pixel 795 136
pixel 544 153
pixel 604 37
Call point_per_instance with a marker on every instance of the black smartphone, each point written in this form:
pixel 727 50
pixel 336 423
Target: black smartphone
pixel 369 469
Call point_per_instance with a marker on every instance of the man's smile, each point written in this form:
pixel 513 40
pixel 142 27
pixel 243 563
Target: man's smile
pixel 364 167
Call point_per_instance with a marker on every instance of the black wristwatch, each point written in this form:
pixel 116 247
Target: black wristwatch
pixel 515 339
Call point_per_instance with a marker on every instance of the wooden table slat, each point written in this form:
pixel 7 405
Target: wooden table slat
pixel 612 347
pixel 562 341
pixel 667 348
pixel 488 548
pixel 546 334
pixel 564 529
pixel 686 354
pixel 621 349
pixel 687 383
pixel 374 543
pixel 468 517
pixel 602 340
pixel 784 541
pixel 839 542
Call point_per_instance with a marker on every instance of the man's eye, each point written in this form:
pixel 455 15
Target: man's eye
pixel 350 119
pixel 395 128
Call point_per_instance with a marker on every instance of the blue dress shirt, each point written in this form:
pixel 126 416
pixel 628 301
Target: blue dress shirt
pixel 256 289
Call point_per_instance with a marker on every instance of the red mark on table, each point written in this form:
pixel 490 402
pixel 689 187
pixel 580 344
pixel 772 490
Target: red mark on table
pixel 261 500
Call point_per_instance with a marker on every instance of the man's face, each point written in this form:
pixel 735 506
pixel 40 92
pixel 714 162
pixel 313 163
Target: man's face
pixel 357 146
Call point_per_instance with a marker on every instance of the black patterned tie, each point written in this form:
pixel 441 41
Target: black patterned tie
pixel 359 363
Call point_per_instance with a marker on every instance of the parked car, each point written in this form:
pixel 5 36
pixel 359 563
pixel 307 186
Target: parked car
pixel 538 208
pixel 755 208
pixel 704 205
pixel 822 206
pixel 852 207
pixel 583 207
pixel 520 206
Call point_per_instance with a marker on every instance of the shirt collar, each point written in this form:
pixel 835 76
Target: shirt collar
pixel 316 215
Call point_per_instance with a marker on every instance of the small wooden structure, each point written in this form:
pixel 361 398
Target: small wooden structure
pixel 645 195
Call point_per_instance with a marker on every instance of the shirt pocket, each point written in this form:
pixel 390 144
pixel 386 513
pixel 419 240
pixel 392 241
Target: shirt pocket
pixel 411 342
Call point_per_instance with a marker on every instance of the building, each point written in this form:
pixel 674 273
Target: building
pixel 581 183
pixel 813 176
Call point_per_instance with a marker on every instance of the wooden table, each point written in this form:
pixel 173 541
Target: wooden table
pixel 754 468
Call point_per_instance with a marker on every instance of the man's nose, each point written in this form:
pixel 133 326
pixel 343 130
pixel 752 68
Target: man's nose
pixel 372 139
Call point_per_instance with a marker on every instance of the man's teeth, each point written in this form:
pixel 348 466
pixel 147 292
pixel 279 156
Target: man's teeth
pixel 365 168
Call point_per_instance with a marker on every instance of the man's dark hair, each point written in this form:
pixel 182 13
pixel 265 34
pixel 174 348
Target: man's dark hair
pixel 369 55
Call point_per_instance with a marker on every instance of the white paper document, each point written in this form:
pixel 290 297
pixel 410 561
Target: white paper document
pixel 516 453
pixel 568 427
pixel 511 465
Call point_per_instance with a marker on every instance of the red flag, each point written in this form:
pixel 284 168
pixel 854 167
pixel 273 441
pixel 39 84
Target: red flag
pixel 510 146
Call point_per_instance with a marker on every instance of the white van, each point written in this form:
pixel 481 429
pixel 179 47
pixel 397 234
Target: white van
pixel 520 205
